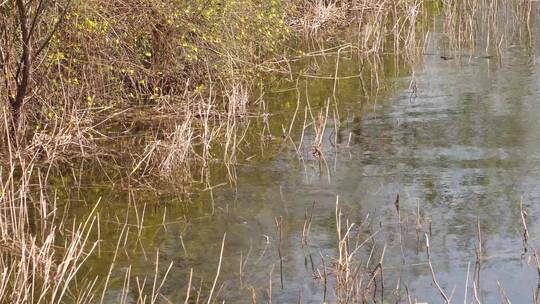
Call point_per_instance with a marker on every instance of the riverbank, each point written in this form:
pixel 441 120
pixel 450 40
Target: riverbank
pixel 151 98
pixel 184 76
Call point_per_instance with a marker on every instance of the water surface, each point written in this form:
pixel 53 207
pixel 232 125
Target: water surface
pixel 464 148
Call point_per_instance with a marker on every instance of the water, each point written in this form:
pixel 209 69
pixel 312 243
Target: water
pixel 466 147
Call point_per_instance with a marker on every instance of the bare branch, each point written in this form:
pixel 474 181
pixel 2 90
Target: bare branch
pixel 54 30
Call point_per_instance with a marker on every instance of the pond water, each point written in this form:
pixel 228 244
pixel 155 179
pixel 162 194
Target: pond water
pixel 465 149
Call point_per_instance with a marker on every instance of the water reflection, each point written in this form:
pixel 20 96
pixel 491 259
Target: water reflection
pixel 467 147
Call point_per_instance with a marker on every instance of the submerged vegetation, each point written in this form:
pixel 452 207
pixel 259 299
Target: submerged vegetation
pixel 166 90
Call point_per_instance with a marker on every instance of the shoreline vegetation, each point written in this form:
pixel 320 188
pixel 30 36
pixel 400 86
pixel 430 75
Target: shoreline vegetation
pixel 166 90
pixel 88 78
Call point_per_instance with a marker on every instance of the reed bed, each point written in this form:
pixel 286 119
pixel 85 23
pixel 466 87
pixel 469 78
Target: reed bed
pixel 194 92
pixel 483 27
pixel 71 95
pixel 39 253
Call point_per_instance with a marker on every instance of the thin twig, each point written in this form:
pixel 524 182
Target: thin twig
pixel 218 269
pixel 446 300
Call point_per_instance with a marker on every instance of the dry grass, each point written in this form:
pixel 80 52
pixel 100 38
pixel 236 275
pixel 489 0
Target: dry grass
pixel 75 102
pixel 484 27
pixel 40 255
pixel 195 92
pixel 195 116
pixel 380 26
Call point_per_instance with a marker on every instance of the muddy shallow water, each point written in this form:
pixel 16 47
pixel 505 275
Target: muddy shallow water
pixel 464 148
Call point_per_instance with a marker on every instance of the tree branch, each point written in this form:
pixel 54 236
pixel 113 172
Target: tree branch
pixel 54 30
pixel 25 61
